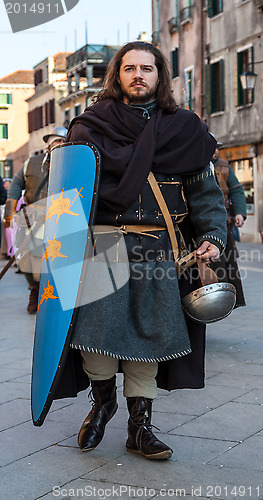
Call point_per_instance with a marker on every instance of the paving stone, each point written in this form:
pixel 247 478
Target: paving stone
pixel 14 413
pixel 246 455
pixel 93 489
pixel 173 475
pixel 13 390
pixel 25 439
pixel 202 426
pixel 197 402
pixel 253 397
pixel 232 421
pixel 37 474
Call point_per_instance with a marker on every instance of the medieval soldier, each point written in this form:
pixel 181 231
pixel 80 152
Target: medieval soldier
pixel 32 178
pixel 150 151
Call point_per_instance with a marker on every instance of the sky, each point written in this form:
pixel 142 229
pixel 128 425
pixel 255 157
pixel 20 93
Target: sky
pixel 110 22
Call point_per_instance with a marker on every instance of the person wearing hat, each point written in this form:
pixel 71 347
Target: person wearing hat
pixel 32 178
pixel 235 203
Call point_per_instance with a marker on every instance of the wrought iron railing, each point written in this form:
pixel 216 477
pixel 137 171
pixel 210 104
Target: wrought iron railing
pixel 173 24
pixel 186 14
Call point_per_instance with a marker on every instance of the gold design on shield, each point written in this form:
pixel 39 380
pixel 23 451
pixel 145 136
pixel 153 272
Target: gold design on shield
pixel 61 206
pixel 53 250
pixel 47 294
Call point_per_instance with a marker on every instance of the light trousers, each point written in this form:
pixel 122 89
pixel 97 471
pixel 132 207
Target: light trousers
pixel 139 376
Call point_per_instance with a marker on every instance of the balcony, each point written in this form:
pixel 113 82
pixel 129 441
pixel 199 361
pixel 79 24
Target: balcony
pixel 173 24
pixel 186 15
pixel 91 54
pixel 259 4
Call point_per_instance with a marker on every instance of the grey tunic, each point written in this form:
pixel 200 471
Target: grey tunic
pixel 143 319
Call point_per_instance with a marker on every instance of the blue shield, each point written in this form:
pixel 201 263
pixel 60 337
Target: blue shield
pixel 70 211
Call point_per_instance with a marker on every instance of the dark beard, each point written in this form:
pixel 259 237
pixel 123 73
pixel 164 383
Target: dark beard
pixel 140 99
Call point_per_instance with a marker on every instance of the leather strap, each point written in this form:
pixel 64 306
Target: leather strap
pixel 207 275
pixel 167 217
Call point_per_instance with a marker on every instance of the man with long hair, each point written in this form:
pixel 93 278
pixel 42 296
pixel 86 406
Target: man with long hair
pixel 150 150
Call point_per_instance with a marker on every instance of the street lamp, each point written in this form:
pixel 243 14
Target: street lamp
pixel 248 78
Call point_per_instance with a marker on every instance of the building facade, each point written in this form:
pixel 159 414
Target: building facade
pixel 15 89
pixel 50 81
pixel 209 44
pixel 234 115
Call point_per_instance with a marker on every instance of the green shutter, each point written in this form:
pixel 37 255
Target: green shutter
pixel 210 8
pixel 214 90
pixel 5 99
pixel 251 59
pixel 3 131
pixel 175 66
pixel 240 69
pixel 222 84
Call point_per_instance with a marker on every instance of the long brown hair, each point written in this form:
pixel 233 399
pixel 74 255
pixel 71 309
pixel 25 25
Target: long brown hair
pixel 111 87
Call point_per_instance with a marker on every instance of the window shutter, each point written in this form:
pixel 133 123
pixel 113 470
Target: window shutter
pixel 213 80
pixel 175 65
pixel 210 8
pixel 251 60
pixel 46 114
pixel 222 84
pixel 240 92
pixel 29 122
pixel 52 111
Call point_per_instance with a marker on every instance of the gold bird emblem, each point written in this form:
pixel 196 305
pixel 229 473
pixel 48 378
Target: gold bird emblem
pixel 53 250
pixel 47 294
pixel 61 206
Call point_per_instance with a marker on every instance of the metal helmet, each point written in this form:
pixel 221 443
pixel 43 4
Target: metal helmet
pixel 210 303
pixel 56 132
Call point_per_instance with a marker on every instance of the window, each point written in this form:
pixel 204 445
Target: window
pixel 77 109
pixel 189 88
pixel 245 61
pixel 52 111
pixel 66 117
pixel 214 7
pixel 35 119
pixel 5 100
pixel 38 77
pixel 49 112
pixel 215 87
pixel 6 168
pixel 175 63
pixel 3 130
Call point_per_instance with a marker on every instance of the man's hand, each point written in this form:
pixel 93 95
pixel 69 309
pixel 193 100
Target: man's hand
pixel 239 220
pixel 10 211
pixel 207 251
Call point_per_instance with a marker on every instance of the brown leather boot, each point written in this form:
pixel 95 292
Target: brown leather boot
pixel 33 300
pixel 141 439
pixel 104 406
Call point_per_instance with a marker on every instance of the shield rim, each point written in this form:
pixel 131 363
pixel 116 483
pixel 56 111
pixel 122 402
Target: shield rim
pixel 63 357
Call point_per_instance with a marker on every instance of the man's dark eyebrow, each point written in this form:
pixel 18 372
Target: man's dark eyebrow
pixel 133 65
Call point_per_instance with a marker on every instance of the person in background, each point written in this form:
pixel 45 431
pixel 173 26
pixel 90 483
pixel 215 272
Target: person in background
pixel 32 178
pixel 8 249
pixel 3 197
pixel 235 203
pixel 235 200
